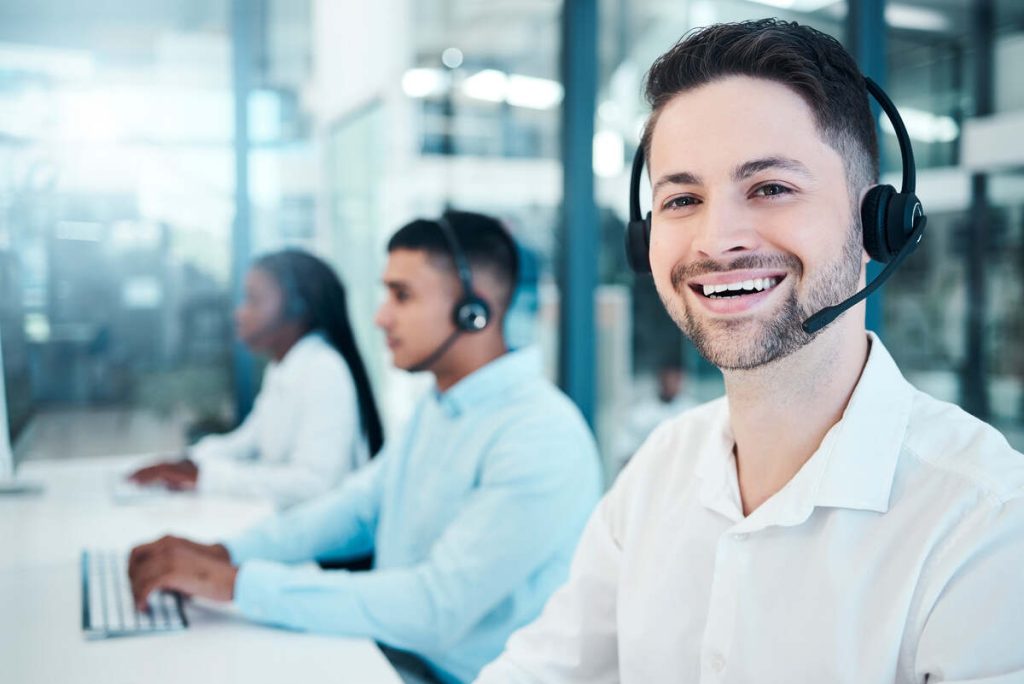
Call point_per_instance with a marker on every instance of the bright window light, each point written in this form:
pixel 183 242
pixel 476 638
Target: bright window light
pixel 489 85
pixel 609 149
pixel 534 93
pixel 423 82
pixel 924 126
pixel 915 18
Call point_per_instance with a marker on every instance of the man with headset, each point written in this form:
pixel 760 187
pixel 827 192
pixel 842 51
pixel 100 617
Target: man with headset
pixel 473 514
pixel 824 521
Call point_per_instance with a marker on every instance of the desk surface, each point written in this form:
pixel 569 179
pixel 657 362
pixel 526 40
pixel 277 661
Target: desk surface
pixel 40 593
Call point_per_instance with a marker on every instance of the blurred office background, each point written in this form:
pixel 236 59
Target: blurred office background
pixel 148 150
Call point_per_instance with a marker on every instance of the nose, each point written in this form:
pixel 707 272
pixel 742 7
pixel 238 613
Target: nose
pixel 382 319
pixel 724 230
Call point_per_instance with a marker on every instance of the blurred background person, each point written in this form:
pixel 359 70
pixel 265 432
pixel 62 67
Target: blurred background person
pixel 672 398
pixel 315 418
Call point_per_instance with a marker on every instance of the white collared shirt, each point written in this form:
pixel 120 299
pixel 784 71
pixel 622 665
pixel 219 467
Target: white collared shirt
pixel 302 436
pixel 896 554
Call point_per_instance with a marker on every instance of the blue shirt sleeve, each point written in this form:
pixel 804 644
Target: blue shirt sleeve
pixel 340 524
pixel 537 489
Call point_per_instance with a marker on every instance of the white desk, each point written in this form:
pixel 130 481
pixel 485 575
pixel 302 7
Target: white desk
pixel 41 538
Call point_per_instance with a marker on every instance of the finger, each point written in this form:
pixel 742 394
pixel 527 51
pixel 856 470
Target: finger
pixel 142 475
pixel 152 575
pixel 144 551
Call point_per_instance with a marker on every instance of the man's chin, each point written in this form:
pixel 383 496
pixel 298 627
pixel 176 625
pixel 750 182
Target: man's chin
pixel 744 343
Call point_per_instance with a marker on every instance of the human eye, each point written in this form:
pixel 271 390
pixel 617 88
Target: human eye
pixel 679 202
pixel 772 190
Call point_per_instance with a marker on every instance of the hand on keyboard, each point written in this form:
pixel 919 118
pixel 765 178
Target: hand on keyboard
pixel 176 564
pixel 108 609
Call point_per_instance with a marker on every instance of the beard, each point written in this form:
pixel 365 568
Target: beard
pixel 748 343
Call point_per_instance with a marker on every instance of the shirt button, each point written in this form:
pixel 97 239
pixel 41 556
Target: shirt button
pixel 717 662
pixel 740 536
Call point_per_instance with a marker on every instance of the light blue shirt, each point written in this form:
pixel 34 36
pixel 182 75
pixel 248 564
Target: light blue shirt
pixel 473 514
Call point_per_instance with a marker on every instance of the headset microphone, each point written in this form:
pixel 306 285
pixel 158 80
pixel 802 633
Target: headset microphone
pixel 831 313
pixel 892 222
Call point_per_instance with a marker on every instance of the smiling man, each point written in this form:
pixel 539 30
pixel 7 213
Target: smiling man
pixel 824 521
pixel 473 513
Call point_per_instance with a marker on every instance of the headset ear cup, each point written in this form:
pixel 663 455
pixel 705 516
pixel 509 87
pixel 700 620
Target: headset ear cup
pixel 901 218
pixel 873 216
pixel 638 245
pixel 472 314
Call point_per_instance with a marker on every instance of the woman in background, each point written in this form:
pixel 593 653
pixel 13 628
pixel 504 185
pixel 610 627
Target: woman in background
pixel 314 419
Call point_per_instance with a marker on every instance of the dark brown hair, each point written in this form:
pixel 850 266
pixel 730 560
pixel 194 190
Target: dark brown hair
pixel 813 64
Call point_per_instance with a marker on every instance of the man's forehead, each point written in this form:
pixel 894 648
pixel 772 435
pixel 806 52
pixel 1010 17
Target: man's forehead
pixel 731 122
pixel 411 267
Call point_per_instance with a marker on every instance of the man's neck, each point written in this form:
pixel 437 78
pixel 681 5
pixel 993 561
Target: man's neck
pixel 469 354
pixel 780 413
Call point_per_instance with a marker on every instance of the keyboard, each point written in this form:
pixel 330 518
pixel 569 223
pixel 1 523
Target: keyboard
pixel 108 609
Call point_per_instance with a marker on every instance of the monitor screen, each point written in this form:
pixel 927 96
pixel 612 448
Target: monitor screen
pixel 6 436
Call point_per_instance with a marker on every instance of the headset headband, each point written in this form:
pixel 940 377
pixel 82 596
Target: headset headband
pixel 458 256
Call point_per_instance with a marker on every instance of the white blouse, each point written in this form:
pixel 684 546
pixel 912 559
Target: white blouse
pixel 302 436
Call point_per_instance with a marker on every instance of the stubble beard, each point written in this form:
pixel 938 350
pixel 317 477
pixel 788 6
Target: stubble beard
pixel 750 342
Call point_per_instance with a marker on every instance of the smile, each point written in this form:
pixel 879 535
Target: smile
pixel 735 293
pixel 738 288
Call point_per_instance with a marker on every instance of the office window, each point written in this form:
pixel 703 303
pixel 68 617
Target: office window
pixel 115 213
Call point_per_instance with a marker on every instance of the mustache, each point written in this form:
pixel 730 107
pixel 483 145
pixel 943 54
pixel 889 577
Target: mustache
pixel 683 272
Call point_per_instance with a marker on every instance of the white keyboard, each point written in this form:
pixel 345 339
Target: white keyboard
pixel 108 609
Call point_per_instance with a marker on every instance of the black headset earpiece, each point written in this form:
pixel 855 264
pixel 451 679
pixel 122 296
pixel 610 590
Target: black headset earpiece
pixel 892 222
pixel 638 232
pixel 888 218
pixel 471 313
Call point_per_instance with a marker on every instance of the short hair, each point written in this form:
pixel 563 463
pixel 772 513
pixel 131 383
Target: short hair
pixel 811 63
pixel 484 241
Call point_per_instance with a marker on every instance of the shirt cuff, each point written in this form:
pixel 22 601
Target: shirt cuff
pixel 215 476
pixel 257 585
pixel 245 546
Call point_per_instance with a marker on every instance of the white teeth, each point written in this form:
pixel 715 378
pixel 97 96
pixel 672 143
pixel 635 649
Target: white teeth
pixel 756 284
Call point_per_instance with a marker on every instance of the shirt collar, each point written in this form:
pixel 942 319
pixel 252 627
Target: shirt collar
pixel 867 441
pixel 854 466
pixel 493 379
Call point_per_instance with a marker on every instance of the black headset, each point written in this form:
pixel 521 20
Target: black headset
pixel 893 222
pixel 471 313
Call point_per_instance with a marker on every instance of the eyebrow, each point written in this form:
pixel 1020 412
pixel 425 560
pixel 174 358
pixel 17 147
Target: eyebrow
pixel 678 178
pixel 741 172
pixel 748 169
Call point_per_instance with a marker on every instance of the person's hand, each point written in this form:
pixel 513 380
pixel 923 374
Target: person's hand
pixel 178 475
pixel 177 564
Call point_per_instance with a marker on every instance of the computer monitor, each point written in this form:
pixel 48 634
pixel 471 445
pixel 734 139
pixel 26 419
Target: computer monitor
pixel 8 483
pixel 6 453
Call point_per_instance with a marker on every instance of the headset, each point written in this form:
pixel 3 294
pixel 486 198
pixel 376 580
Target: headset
pixel 893 222
pixel 471 314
